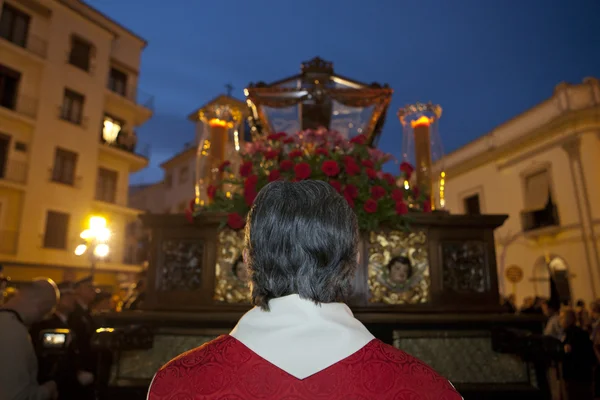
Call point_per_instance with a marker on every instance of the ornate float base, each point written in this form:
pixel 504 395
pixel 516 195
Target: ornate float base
pixel 431 291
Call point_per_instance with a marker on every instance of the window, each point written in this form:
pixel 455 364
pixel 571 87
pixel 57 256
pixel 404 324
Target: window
pixel 471 205
pixel 106 185
pixel 65 163
pixel 9 84
pixel 57 228
pixel 4 147
pixel 537 190
pixel 14 25
pixel 168 181
pixel 72 108
pixel 111 127
pixel 184 173
pixel 117 81
pixel 81 53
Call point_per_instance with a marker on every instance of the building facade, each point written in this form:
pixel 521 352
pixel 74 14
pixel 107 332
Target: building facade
pixel 69 105
pixel 540 168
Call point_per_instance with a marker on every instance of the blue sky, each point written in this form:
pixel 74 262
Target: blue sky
pixel 484 61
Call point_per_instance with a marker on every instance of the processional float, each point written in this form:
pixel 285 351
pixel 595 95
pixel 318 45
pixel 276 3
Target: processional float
pixel 430 289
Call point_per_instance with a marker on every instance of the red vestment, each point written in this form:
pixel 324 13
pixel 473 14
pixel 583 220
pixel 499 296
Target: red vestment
pixel 228 370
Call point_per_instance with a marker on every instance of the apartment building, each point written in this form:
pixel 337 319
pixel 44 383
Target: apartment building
pixel 540 168
pixel 69 106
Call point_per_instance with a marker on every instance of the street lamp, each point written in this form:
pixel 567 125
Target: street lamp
pixel 95 239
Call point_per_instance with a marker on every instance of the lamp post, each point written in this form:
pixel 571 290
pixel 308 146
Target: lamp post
pixel 95 239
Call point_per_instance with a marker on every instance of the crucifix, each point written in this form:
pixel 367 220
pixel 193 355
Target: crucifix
pixel 229 88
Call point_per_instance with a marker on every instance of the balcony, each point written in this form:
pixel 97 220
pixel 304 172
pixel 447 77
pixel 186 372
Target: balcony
pixel 23 105
pixel 14 171
pixel 34 45
pixel 8 242
pixel 71 118
pixel 66 180
pixel 125 141
pixel 132 94
pixel 541 222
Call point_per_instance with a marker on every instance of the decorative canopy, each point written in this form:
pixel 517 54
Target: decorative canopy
pixel 318 97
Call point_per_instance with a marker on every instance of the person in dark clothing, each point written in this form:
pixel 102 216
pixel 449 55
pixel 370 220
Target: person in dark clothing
pixel 62 369
pixel 579 359
pixel 136 301
pixel 82 324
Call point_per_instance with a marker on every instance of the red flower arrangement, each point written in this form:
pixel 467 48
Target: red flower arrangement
pixel 351 167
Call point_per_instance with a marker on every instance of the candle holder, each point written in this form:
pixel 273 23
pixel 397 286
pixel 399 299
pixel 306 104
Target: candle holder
pixel 422 147
pixel 220 141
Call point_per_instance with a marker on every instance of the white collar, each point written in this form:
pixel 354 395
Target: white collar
pixel 300 337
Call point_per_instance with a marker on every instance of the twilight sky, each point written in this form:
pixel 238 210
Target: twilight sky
pixel 484 62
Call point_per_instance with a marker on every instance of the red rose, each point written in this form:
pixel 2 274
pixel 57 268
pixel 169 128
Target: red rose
pixel 371 173
pixel 407 169
pixel 250 182
pixel 351 167
pixel 416 191
pixel 377 192
pixel 271 154
pixel 351 191
pixel 322 151
pixel 397 195
pixel 302 171
pixel 330 168
pixel 276 136
pixel 368 163
pixel 427 206
pixel 370 206
pixel 249 195
pixel 246 168
pixel 224 165
pixel 192 205
pixel 401 208
pixel 288 140
pixel 360 139
pixel 235 221
pixel 295 153
pixel 286 165
pixel 211 190
pixel 389 178
pixel 274 175
pixel 336 185
pixel 350 200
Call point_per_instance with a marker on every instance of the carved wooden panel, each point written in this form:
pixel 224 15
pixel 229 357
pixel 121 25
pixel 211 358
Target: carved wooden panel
pixel 180 267
pixel 464 266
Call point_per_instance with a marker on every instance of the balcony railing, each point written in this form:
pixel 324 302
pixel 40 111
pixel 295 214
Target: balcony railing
pixel 65 116
pixel 74 182
pixel 23 105
pixel 8 241
pixel 539 219
pixel 14 171
pixel 34 44
pixel 125 141
pixel 135 95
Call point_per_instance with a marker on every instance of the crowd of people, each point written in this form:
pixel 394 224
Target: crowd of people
pixel 35 363
pixel 577 375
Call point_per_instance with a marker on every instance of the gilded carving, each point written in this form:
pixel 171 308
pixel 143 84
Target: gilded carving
pixel 398 267
pixel 231 275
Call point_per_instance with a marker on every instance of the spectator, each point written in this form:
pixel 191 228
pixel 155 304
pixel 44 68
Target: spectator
pixel 579 360
pixel 583 316
pixel 18 363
